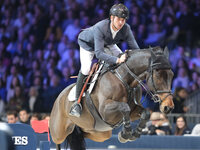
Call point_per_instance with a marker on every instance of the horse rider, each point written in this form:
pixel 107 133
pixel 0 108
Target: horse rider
pixel 92 41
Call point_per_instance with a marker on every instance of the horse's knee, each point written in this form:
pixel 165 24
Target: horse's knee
pixel 124 109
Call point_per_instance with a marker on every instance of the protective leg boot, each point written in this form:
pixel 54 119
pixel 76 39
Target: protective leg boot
pixel 76 108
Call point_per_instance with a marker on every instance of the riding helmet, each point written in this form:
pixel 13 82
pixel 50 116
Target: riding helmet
pixel 120 11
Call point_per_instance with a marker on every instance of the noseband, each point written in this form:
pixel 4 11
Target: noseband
pixel 152 66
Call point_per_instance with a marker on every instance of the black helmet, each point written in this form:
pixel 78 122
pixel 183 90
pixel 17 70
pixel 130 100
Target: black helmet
pixel 120 11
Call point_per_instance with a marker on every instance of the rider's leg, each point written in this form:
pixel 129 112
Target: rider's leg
pixel 86 61
pixel 77 108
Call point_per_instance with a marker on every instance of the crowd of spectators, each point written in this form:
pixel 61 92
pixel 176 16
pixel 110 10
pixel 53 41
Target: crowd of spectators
pixel 39 50
pixel 159 124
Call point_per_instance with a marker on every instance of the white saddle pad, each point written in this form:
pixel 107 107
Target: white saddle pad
pixel 72 94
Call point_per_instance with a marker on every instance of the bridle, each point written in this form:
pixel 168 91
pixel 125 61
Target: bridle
pixel 152 67
pixel 153 95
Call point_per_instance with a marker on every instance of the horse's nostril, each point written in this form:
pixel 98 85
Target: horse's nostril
pixel 166 109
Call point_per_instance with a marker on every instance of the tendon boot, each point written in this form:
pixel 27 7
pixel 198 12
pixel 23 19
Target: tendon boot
pixel 76 108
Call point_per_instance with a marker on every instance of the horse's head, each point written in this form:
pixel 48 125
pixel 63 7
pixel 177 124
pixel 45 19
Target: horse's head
pixel 159 80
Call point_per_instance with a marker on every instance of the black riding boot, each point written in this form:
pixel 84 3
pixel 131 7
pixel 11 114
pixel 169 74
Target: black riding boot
pixel 76 108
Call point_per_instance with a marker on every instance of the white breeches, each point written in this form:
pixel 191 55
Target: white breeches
pixel 86 57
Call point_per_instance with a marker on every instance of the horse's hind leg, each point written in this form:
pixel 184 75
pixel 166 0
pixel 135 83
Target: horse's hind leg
pixel 60 126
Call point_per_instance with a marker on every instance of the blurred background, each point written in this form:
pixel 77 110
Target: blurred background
pixel 39 51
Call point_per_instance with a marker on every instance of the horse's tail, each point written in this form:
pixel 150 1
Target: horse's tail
pixel 76 140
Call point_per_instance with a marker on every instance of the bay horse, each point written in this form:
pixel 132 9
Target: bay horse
pixel 116 98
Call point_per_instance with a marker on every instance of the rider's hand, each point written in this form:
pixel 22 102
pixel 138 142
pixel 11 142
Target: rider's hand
pixel 122 59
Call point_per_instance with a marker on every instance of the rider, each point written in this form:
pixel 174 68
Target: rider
pixel 93 40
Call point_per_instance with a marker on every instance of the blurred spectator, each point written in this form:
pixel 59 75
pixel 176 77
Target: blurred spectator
pixel 181 126
pixel 159 124
pixel 198 81
pixel 185 21
pixel 66 80
pixel 51 93
pixel 155 37
pixel 195 62
pixel 46 117
pixel 12 117
pixel 39 55
pixel 70 53
pixel 141 35
pixel 35 116
pixel 196 130
pixel 171 32
pixel 5 57
pixel 31 74
pixel 178 53
pixel 2 68
pixel 3 92
pixel 2 106
pixel 13 73
pixel 179 98
pixel 72 30
pixel 11 91
pixel 69 19
pixel 182 79
pixel 48 49
pixel 35 101
pixel 193 83
pixel 38 84
pixel 53 29
pixel 85 21
pixel 63 45
pixel 24 116
pixel 17 102
pixel 181 63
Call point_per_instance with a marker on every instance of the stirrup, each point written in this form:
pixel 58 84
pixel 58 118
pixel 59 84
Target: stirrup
pixel 76 109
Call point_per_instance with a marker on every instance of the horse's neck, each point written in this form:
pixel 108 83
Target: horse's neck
pixel 137 63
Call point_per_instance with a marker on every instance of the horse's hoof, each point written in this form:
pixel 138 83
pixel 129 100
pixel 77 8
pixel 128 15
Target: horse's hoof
pixel 121 139
pixel 133 138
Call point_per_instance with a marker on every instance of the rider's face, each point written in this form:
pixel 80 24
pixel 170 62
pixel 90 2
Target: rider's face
pixel 117 23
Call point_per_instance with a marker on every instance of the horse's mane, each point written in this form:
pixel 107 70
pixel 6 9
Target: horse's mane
pixel 157 50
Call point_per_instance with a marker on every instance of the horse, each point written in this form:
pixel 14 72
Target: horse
pixel 116 99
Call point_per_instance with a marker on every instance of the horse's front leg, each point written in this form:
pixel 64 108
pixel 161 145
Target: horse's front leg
pixel 118 111
pixel 127 132
pixel 142 123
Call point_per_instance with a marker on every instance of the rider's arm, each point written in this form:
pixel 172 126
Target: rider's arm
pixel 99 48
pixel 130 39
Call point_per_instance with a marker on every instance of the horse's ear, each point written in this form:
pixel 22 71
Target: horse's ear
pixel 153 56
pixel 166 52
